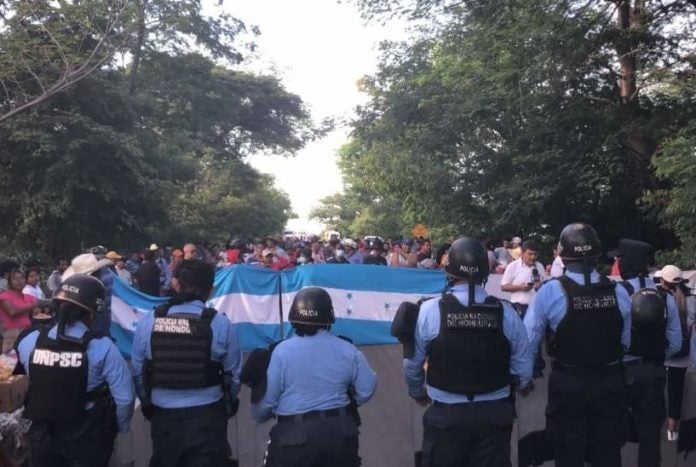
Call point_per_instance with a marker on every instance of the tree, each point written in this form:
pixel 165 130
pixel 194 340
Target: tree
pixel 76 172
pixel 98 164
pixel 225 200
pixel 47 47
pixel 522 116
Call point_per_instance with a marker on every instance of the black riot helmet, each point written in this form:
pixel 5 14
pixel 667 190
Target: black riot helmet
pixel 312 306
pixel 647 309
pixel 82 290
pixel 467 259
pixel 579 241
pixel 578 246
pixel 78 295
pixel 635 258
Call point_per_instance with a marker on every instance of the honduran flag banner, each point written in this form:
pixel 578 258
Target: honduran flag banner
pixel 258 300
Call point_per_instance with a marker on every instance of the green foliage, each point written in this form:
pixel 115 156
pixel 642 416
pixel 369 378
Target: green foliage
pixel 357 216
pixel 506 117
pixel 106 162
pixel 227 199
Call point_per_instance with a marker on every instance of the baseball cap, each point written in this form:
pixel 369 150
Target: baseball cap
pixel 267 252
pixel 671 274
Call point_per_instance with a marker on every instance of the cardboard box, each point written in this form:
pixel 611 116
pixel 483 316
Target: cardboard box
pixel 12 392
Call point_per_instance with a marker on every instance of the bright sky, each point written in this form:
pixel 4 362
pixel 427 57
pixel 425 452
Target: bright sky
pixel 320 49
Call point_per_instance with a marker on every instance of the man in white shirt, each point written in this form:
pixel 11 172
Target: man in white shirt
pixel 523 277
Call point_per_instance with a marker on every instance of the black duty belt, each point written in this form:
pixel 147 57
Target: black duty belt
pixel 313 415
pixel 574 369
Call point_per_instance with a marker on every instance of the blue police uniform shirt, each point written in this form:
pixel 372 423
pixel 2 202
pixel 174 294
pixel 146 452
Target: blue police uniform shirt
pixel 550 305
pixel 428 328
pixel 314 373
pixel 225 348
pixel 673 328
pixel 102 321
pixel 105 365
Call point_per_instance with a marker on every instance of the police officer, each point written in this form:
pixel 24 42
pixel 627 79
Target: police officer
pixel 655 335
pixel 80 389
pixel 312 378
pixel 586 412
pixel 186 361
pixel 476 348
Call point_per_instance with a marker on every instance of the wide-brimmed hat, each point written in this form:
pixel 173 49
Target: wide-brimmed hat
pixel 85 264
pixel 112 255
pixel 153 247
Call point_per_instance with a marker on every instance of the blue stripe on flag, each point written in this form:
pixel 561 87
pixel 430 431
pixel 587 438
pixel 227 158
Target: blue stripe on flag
pixel 364 277
pixel 251 280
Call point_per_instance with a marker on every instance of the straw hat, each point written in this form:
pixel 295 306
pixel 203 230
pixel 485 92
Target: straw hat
pixel 85 264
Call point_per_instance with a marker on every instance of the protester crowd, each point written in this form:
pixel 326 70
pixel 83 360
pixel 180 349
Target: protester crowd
pixel 186 358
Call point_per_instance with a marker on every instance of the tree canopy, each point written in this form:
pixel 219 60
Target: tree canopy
pixel 136 150
pixel 500 118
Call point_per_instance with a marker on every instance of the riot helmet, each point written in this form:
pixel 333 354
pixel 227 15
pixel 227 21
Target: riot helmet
pixel 634 258
pixel 647 309
pixel 467 259
pixel 82 290
pixel 579 241
pixel 312 306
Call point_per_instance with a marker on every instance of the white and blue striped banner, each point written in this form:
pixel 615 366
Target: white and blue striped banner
pixel 257 300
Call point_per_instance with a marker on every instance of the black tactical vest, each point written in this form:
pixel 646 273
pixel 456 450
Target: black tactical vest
pixel 648 325
pixel 471 354
pixel 589 335
pixel 57 380
pixel 180 345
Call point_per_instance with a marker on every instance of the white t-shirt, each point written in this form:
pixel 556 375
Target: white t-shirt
pixel 34 291
pixel 518 273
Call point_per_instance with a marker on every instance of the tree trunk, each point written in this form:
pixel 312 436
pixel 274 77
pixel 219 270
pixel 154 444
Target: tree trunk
pixel 137 50
pixel 628 18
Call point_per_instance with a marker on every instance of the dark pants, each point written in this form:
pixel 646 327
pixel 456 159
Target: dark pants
pixel 190 437
pixel 587 415
pixel 468 435
pixel 87 445
pixel 675 391
pixel 323 442
pixel 647 409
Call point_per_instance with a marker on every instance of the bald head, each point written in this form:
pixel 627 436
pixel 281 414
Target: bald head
pixel 190 251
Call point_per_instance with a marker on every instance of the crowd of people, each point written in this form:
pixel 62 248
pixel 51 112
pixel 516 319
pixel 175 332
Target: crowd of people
pixel 609 340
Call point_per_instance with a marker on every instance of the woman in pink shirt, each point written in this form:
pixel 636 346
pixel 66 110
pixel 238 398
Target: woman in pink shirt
pixel 16 309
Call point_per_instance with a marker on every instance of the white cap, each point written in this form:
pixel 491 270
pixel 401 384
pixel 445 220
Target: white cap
pixel 153 247
pixel 516 240
pixel 671 274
